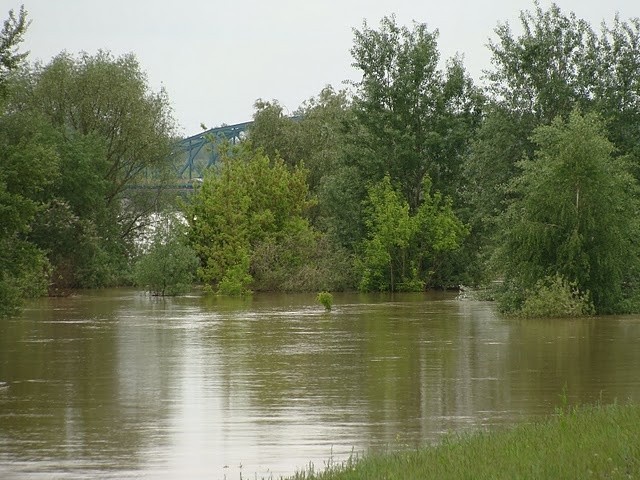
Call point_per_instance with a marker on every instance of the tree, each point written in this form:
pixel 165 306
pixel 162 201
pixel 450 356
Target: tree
pixel 28 164
pixel 556 64
pixel 536 76
pixel 314 136
pixel 169 265
pixel 559 63
pixel 112 135
pixel 250 200
pixel 416 120
pixel 11 36
pixel 574 215
pixel 544 72
pixel 614 70
pixel 384 261
pixel 110 99
pixel 402 249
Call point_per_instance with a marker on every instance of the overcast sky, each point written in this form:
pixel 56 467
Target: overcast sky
pixel 216 57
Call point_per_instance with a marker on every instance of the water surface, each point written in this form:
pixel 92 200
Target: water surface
pixel 118 384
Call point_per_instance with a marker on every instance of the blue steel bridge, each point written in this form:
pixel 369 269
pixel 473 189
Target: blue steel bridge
pixel 193 155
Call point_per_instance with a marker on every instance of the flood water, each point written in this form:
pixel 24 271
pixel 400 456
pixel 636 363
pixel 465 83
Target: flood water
pixel 115 384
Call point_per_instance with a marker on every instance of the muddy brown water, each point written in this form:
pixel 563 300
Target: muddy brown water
pixel 115 384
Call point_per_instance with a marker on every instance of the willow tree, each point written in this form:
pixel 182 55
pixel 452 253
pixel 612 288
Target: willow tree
pixel 574 215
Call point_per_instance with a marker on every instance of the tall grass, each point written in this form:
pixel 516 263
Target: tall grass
pixel 579 443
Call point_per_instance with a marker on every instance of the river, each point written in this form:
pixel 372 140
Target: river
pixel 115 384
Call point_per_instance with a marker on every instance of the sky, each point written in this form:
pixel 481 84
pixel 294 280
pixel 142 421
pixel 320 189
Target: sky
pixel 216 58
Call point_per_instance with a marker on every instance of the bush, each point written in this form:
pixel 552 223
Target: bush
pixel 169 265
pixel 556 297
pixel 326 299
pixel 236 280
pixel 302 260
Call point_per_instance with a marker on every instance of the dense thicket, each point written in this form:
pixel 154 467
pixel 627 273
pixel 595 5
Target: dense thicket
pixel 75 135
pixel 413 177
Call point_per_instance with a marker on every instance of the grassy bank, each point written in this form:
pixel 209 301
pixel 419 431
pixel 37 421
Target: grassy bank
pixel 587 442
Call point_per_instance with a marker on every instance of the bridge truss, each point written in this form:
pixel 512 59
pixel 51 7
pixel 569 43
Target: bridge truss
pixel 197 153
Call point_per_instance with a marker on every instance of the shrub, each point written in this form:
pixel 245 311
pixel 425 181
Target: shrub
pixel 169 265
pixel 236 280
pixel 556 297
pixel 326 299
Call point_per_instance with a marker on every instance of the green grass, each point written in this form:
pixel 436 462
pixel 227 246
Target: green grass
pixel 600 442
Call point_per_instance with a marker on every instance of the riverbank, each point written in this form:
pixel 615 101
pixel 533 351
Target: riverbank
pixel 586 442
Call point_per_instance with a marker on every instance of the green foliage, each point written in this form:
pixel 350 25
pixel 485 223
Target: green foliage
pixel 102 95
pixel 301 259
pixel 402 249
pixel 550 297
pixel 168 266
pixel 235 281
pixel 24 273
pixel 557 63
pixel 110 131
pixel 543 73
pixel 414 119
pixel 29 165
pixel 11 36
pixel 391 229
pixel 574 214
pixel 248 202
pixel 326 300
pixel 315 137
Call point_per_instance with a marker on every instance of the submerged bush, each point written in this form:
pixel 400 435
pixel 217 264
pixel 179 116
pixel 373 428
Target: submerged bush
pixel 326 299
pixel 556 297
pixel 236 280
pixel 169 265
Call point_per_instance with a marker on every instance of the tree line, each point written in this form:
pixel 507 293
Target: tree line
pixel 414 177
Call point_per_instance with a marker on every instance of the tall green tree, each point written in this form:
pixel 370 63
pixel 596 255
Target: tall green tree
pixel 556 63
pixel 416 119
pixel 28 165
pixel 11 35
pixel 614 70
pixel 313 135
pixel 109 97
pixel 574 215
pixel 412 121
pixel 536 76
pixel 543 72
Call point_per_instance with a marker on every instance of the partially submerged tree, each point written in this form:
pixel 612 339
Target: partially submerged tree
pixel 113 136
pixel 168 264
pixel 248 201
pixel 574 215
pixel 402 249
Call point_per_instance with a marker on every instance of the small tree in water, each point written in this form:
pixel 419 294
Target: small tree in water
pixel 168 266
pixel 326 299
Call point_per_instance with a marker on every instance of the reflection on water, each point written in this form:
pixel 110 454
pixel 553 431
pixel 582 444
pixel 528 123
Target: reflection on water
pixel 117 384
